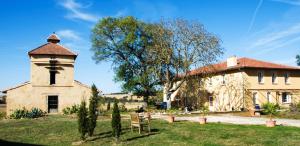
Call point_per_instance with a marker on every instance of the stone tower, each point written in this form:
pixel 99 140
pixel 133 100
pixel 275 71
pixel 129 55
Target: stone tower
pixel 52 64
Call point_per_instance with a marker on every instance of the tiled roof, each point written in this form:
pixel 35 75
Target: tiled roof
pixel 52 48
pixel 241 63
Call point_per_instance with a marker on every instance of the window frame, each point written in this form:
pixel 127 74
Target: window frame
pixel 52 77
pixel 268 97
pixel 274 78
pixel 255 97
pixel 223 79
pixel 287 78
pixel 211 100
pixel 260 79
pixel 287 96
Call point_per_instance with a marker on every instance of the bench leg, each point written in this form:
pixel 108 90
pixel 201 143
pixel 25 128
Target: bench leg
pixel 149 129
pixel 139 129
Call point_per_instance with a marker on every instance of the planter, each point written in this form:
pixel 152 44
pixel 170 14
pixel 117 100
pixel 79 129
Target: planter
pixel 270 123
pixel 202 120
pixel 171 119
pixel 148 115
pixel 252 112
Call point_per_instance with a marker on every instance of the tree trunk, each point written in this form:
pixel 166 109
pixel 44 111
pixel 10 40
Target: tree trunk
pixel 167 96
pixel 169 91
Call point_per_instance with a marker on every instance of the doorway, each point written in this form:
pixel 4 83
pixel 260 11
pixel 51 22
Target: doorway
pixel 52 104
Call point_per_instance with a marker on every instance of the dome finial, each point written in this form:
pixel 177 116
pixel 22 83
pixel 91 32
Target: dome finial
pixel 53 38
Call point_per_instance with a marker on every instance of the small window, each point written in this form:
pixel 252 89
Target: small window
pixel 211 103
pixel 287 78
pixel 260 77
pixel 223 79
pixel 274 78
pixel 52 77
pixel 210 81
pixel 255 97
pixel 286 97
pixel 268 96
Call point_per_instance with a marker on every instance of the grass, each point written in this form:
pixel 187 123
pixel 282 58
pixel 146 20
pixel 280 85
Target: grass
pixel 62 130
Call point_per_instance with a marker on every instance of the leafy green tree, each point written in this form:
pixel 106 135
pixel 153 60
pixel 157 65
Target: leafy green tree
pixel 116 121
pixel 92 113
pixel 82 120
pixel 179 46
pixel 147 56
pixel 124 42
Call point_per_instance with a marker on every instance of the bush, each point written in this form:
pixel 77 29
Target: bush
pixel 123 108
pixel 92 113
pixel 2 115
pixel 82 120
pixel 71 110
pixel 270 109
pixel 295 107
pixel 116 121
pixel 24 113
pixel 108 106
pixel 35 113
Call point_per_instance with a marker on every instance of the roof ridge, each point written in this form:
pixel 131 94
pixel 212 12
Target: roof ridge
pixel 271 62
pixel 14 87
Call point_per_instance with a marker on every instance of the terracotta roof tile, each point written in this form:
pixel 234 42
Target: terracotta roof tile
pixel 241 63
pixel 51 49
pixel 53 38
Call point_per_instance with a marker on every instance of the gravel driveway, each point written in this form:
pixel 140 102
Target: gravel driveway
pixel 236 120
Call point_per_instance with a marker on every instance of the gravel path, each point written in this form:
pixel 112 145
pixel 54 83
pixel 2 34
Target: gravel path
pixel 236 120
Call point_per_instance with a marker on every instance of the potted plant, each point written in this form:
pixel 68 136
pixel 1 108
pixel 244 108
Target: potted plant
pixel 204 109
pixel 271 110
pixel 170 115
pixel 171 118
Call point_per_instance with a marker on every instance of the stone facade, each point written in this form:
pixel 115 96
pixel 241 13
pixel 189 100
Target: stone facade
pixel 51 93
pixel 235 88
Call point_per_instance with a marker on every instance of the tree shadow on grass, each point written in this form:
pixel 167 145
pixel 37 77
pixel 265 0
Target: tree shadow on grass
pixel 153 132
pixel 124 130
pixel 106 134
pixel 9 143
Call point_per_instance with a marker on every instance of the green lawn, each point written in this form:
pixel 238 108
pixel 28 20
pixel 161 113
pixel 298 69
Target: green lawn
pixel 61 130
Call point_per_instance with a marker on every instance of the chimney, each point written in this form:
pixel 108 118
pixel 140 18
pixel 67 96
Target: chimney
pixel 231 61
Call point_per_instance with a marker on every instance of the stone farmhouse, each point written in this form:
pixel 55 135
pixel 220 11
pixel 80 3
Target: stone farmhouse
pixel 52 86
pixel 242 83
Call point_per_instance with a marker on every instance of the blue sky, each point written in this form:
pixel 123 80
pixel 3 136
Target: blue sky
pixel 262 29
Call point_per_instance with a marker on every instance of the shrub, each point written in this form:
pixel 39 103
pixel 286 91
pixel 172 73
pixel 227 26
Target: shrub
pixel 82 120
pixel 204 109
pixel 116 121
pixel 92 113
pixel 270 109
pixel 71 110
pixel 295 107
pixel 108 106
pixel 2 115
pixel 24 113
pixel 123 108
pixel 35 113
